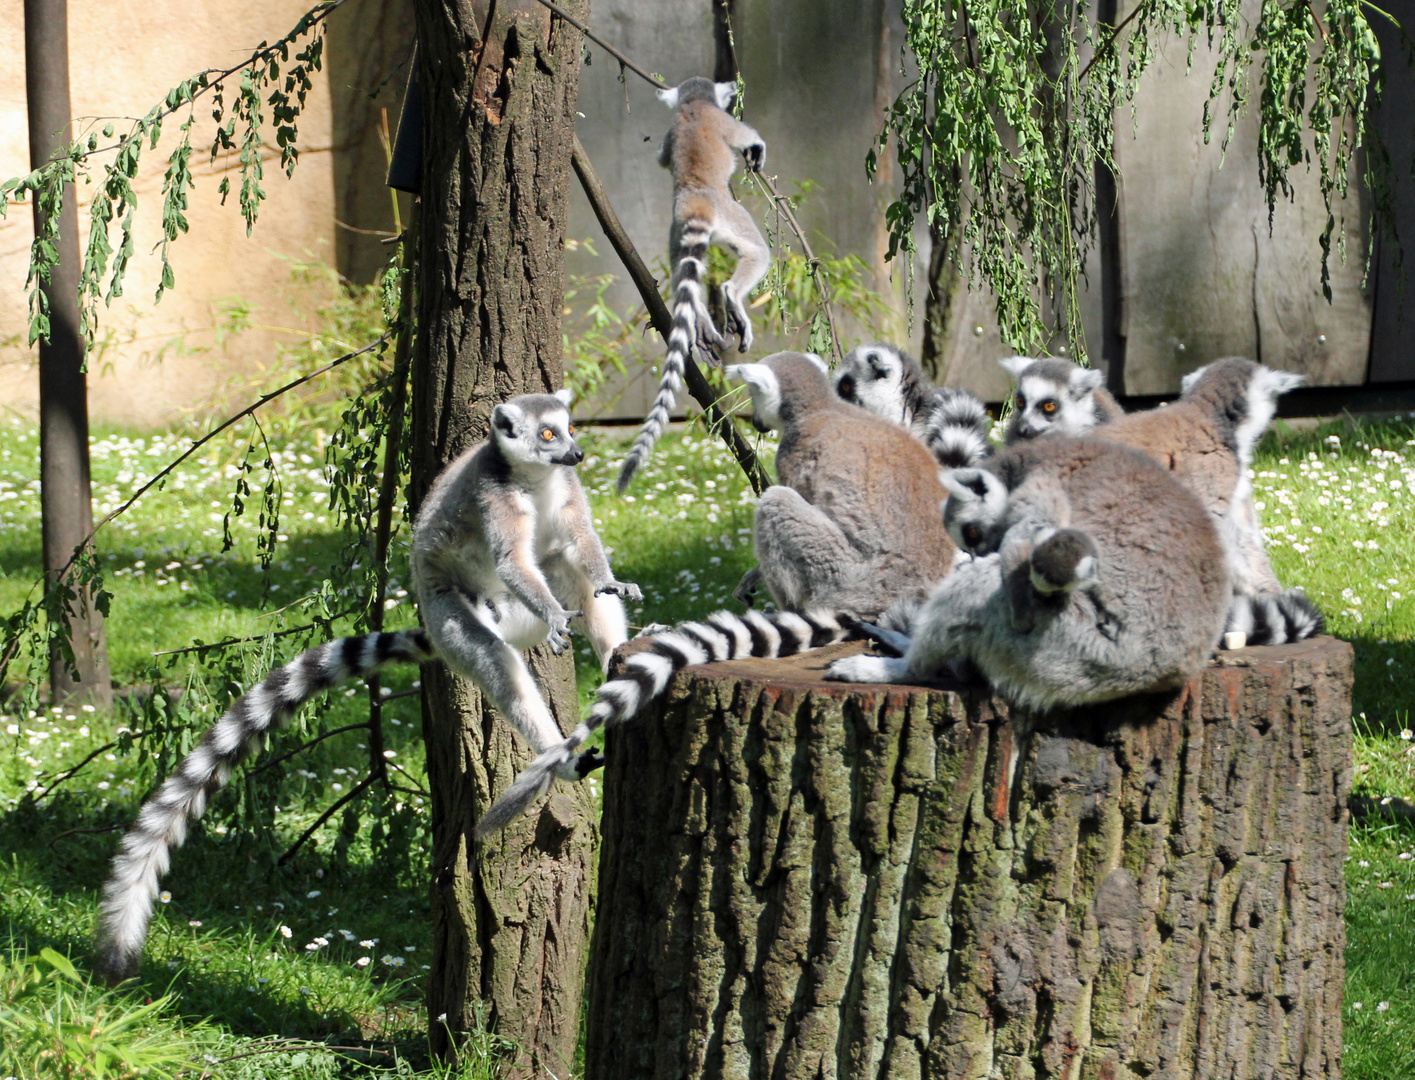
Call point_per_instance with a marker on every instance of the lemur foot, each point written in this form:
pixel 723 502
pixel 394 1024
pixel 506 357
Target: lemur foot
pixel 868 669
pixel 737 321
pixel 625 590
pixel 892 640
pixel 708 336
pixel 746 590
pixel 558 637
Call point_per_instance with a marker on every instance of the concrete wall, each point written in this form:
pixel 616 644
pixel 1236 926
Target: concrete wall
pixel 159 361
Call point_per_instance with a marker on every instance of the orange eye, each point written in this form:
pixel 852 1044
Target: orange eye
pixel 1021 402
pixel 1048 407
pixel 572 429
pixel 547 434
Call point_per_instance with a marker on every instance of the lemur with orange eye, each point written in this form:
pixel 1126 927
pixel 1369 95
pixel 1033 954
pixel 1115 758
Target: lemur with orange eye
pixel 504 557
pixel 1056 397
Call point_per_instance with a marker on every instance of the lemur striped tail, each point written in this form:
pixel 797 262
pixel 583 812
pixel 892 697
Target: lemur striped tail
pixel 689 298
pixel 721 636
pixel 957 431
pixel 161 825
pixel 1275 618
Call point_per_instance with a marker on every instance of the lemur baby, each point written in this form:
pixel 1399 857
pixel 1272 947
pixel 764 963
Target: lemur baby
pixel 853 522
pixel 888 382
pixel 1207 440
pixel 1056 397
pixel 504 556
pixel 853 526
pixel 1096 575
pixel 701 148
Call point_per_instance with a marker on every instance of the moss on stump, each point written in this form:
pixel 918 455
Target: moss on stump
pixel 808 879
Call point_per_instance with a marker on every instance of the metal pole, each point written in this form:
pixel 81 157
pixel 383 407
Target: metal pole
pixel 67 510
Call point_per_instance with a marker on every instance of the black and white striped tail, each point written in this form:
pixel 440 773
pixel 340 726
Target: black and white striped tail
pixel 161 825
pixel 957 431
pixel 721 636
pixel 689 297
pixel 1275 618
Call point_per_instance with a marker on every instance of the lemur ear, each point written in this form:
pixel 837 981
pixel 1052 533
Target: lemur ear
pixel 1015 365
pixel 815 359
pixel 1086 379
pixel 725 92
pixel 565 396
pixel 1280 382
pixel 757 376
pixel 1186 384
pixel 506 418
pixel 669 97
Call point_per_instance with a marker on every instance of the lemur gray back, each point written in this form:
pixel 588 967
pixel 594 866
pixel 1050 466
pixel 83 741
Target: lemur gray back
pixel 1056 397
pixel 889 383
pixel 855 519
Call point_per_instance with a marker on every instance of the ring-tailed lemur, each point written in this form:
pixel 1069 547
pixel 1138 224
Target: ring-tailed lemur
pixel 1056 397
pixel 1097 575
pixel 888 382
pixel 701 148
pixel 853 522
pixel 1207 440
pixel 503 543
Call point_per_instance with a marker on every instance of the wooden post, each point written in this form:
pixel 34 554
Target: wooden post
pixel 813 879
pixel 66 510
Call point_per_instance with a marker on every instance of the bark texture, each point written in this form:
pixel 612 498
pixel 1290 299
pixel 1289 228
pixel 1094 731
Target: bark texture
pixel 510 915
pixel 802 879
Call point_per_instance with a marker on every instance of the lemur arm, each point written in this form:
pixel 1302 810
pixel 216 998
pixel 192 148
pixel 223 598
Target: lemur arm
pixel 665 150
pixel 744 138
pixel 576 516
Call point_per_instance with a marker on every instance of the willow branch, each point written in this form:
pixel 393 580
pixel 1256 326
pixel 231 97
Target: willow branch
pixel 304 836
pixel 768 186
pixel 624 61
pixel 662 321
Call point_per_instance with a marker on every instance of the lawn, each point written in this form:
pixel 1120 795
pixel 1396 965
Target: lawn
pixel 331 946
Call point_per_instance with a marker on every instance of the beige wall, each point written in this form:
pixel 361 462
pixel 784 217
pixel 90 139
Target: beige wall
pixel 160 361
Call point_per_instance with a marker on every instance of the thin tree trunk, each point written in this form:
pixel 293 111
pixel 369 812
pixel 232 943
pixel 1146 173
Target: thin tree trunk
pixel 804 879
pixel 67 508
pixel 510 914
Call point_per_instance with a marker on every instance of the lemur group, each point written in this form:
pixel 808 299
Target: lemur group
pixel 1097 554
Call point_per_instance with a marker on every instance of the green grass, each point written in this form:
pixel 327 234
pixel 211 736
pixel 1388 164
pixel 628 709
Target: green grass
pixel 1339 514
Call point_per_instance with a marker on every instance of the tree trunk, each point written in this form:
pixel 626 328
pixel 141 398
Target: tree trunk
pixel 804 879
pixel 511 914
pixel 66 512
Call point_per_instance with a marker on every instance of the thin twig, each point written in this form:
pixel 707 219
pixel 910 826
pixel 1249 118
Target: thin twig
pixel 813 264
pixel 408 791
pixel 411 779
pixel 355 790
pixel 87 831
pixel 258 637
pixel 610 49
pixel 305 746
pixel 388 482
pixel 66 775
pixel 1318 20
pixel 1109 42
pixel 662 321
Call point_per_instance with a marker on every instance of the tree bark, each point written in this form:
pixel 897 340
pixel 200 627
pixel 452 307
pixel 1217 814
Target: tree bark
pixel 809 879
pixel 511 914
pixel 66 512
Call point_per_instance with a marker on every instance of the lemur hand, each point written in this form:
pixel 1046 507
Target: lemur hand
pixel 558 637
pixel 755 156
pixel 746 589
pixel 625 590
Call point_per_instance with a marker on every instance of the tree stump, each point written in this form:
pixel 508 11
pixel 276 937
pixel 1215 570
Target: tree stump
pixel 811 879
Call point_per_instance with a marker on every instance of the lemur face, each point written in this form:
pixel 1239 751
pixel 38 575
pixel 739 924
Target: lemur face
pixel 1053 397
pixel 870 377
pixel 535 429
pixel 975 509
